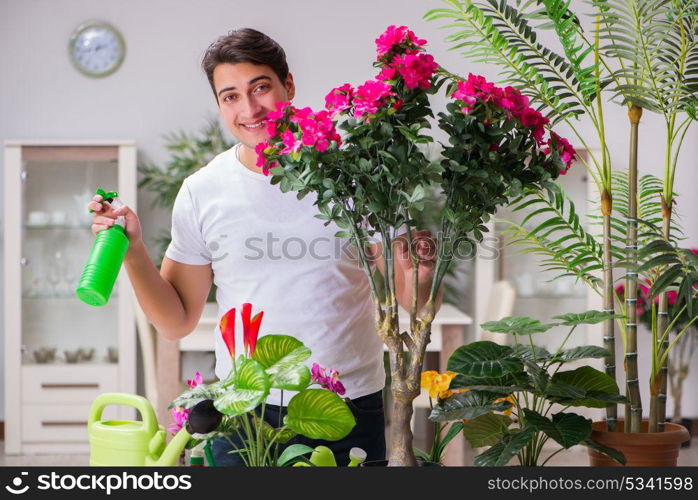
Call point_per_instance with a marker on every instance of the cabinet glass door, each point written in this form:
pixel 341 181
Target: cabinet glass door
pixel 57 184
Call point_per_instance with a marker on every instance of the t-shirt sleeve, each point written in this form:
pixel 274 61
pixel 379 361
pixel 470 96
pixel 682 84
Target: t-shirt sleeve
pixel 187 245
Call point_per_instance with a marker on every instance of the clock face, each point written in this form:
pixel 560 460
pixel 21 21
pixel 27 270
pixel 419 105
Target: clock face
pixel 97 49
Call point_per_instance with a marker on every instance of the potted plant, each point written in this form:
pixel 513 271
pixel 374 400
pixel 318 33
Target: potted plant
pixel 275 361
pixel 370 179
pixel 494 383
pixel 628 54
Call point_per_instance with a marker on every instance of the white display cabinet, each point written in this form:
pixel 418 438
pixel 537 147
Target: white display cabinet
pixel 59 352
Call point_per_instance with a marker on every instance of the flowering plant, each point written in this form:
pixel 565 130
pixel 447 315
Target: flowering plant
pixel 436 384
pixel 361 158
pixel 272 361
pixel 491 383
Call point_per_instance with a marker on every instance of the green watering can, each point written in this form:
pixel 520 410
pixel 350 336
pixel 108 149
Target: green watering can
pixel 131 442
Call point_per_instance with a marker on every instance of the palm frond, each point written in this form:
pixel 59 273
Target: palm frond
pixel 657 43
pixel 496 33
pixel 576 48
pixel 557 236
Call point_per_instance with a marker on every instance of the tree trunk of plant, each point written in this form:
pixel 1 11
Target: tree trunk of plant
pixel 609 340
pixel 634 114
pixel 401 451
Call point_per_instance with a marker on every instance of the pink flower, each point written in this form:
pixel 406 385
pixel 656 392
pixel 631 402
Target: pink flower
pixel 397 35
pixel 280 111
pixel 416 68
pixel 299 114
pixel 271 128
pixel 260 149
pixel 565 150
pixel 339 99
pixel 196 381
pixel 318 130
pixel 263 149
pixel 477 88
pixel 180 416
pixel 292 144
pixel 370 96
pixel 330 382
pixel 387 73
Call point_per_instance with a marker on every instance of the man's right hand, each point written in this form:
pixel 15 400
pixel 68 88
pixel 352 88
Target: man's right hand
pixel 104 217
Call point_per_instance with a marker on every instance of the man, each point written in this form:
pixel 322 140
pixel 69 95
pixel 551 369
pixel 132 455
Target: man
pixel 232 227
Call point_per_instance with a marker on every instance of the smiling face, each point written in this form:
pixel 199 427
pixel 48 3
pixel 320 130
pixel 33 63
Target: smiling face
pixel 246 92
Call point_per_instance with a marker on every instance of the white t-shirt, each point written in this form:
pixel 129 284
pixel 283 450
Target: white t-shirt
pixel 268 248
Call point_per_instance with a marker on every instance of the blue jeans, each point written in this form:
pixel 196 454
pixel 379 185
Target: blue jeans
pixel 368 433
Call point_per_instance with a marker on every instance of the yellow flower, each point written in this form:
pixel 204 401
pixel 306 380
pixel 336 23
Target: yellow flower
pixel 435 382
pixel 509 398
pixel 451 392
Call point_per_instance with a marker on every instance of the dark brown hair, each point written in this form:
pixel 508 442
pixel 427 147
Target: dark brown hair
pixel 245 45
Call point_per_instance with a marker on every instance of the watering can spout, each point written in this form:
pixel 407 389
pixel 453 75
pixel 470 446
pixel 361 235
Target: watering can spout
pixel 167 456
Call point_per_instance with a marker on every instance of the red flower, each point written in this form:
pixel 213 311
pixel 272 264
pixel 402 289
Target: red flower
pixel 227 327
pixel 250 327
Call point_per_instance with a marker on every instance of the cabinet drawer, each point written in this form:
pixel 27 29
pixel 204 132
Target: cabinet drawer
pixel 58 423
pixel 67 383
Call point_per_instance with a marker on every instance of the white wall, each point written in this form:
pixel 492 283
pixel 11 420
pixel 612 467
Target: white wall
pixel 160 87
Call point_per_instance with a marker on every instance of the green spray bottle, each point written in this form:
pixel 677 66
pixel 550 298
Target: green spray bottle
pixel 108 252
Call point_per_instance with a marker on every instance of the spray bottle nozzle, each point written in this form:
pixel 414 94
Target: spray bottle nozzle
pixel 109 196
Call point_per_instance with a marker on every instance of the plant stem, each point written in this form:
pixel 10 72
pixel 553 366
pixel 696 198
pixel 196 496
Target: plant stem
pixel 552 455
pixel 631 367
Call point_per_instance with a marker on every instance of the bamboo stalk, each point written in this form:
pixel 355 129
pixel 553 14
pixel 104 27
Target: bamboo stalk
pixel 609 340
pixel 631 369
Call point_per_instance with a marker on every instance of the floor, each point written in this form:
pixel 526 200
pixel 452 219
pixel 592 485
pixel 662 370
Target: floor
pixel 574 457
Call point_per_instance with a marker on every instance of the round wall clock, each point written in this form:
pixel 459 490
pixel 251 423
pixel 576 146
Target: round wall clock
pixel 96 49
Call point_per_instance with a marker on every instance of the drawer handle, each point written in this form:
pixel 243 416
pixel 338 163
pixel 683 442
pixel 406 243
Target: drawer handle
pixel 69 386
pixel 58 423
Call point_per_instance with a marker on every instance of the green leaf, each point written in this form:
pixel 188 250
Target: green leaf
pixel 539 377
pixel 282 357
pixel 194 395
pixel 421 454
pixel 468 405
pixel 512 382
pixel 251 387
pixel 526 352
pixel 605 450
pixel 568 429
pixel 596 385
pixel 319 414
pixel 501 453
pixel 483 359
pixel 585 318
pixel 294 451
pixel 566 391
pixel 454 429
pixel 520 325
pixel 580 352
pixel 486 430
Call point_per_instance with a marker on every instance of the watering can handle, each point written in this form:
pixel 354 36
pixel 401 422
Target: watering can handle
pixel 118 398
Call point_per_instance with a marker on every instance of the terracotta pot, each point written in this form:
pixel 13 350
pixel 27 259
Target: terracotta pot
pixel 688 424
pixel 659 449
